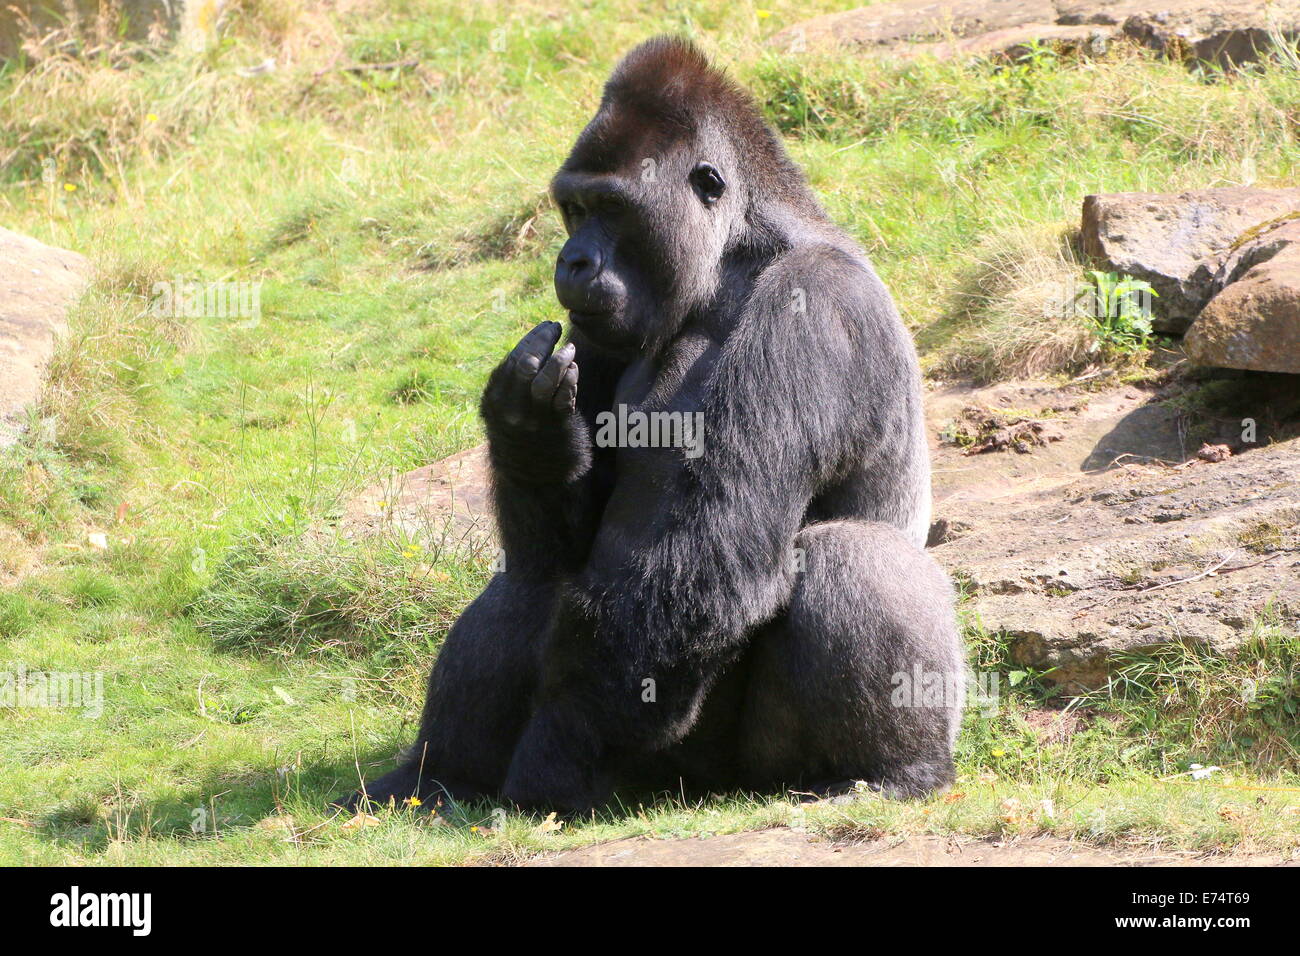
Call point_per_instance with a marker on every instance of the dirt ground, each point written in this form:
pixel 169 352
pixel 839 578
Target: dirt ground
pixel 1116 537
pixel 784 847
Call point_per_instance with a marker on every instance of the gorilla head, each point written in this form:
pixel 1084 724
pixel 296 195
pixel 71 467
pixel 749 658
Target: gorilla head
pixel 674 180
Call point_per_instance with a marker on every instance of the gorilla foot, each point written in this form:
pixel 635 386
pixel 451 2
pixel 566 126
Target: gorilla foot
pixel 564 798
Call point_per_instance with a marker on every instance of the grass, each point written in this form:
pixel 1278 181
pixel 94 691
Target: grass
pixel 396 220
pixel 1184 705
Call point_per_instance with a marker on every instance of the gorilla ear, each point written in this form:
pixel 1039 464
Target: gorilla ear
pixel 708 183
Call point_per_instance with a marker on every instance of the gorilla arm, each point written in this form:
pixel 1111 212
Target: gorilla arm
pixel 546 477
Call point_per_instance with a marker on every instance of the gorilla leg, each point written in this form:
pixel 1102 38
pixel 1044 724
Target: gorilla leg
pixel 863 677
pixel 480 695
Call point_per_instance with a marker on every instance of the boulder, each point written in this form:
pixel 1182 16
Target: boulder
pixel 1178 242
pixel 37 285
pixel 1258 245
pixel 1226 32
pixel 890 26
pixel 1110 543
pixel 1254 323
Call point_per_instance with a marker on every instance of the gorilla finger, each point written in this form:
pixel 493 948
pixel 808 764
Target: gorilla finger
pixel 566 395
pixel 533 348
pixel 549 377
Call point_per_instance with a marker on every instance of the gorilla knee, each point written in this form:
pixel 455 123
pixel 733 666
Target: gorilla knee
pixel 865 579
pixel 873 630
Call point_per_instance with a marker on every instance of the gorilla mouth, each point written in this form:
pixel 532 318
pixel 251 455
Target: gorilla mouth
pixel 587 319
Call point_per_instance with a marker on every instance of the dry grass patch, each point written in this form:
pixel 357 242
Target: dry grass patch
pixel 1015 308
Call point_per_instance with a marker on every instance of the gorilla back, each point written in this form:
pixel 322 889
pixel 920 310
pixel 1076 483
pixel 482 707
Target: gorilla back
pixel 736 607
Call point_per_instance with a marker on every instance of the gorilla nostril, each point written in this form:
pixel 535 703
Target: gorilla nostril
pixel 581 266
pixel 578 267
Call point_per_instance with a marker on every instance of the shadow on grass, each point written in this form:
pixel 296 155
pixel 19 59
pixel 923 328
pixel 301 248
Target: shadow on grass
pixel 220 803
pixel 216 802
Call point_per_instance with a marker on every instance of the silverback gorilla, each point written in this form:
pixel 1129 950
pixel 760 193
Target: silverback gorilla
pixel 739 615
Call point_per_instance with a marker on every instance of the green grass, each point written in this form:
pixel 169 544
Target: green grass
pixel 398 225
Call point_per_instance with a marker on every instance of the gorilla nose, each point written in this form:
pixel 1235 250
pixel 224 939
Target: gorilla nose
pixel 577 268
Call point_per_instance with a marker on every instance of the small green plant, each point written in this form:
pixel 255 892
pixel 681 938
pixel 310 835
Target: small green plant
pixel 1120 308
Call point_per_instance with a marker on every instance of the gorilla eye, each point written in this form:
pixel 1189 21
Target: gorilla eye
pixel 708 183
pixel 612 205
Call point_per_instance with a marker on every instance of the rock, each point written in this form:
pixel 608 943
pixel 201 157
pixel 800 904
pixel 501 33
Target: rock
pixel 891 26
pixel 1213 453
pixel 1177 242
pixel 941 530
pixel 1254 323
pixel 1078 570
pixel 1259 245
pixel 447 504
pixel 37 285
pixel 1227 32
pixel 792 848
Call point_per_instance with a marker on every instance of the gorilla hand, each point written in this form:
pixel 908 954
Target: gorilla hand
pixel 528 408
pixel 556 385
pixel 533 387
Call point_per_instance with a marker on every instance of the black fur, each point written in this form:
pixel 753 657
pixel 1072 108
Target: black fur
pixel 723 289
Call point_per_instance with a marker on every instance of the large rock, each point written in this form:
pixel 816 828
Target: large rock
pixel 1138 561
pixel 1227 32
pixel 888 26
pixel 37 284
pixel 1254 323
pixel 1177 242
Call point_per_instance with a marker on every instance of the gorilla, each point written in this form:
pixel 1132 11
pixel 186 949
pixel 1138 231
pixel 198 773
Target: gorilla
pixel 752 608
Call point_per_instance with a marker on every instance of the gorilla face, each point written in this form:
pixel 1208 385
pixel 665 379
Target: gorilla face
pixel 645 241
